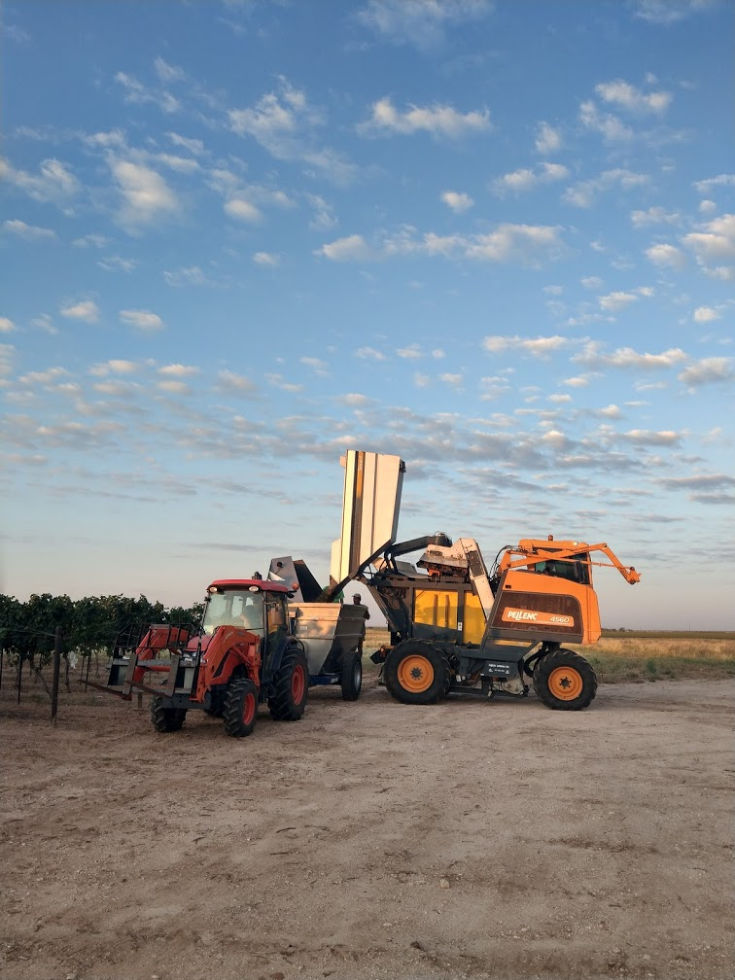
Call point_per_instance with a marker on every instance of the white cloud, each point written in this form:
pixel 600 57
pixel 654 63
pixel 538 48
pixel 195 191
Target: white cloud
pixel 653 216
pixel 591 282
pixel 86 310
pixel 438 120
pixel 355 399
pixel 237 383
pixel 318 366
pixel 526 179
pixel 609 412
pixel 142 319
pixel 611 128
pixel 146 194
pixel 705 314
pixel 455 380
pixel 31 233
pixel 584 194
pixel 708 185
pixel 242 210
pixel 115 366
pixel 629 97
pixel 352 248
pixel 116 262
pixel 6 325
pixel 458 202
pixel 190 276
pixel 266 258
pixel 668 11
pixel 645 437
pixel 616 301
pixel 167 72
pixel 536 346
pixel 665 256
pixel 369 354
pixel 419 22
pixel 708 370
pixel 178 370
pixel 412 352
pixel 548 139
pixel 137 94
pixel 594 356
pixel 194 146
pixel 714 247
pixel 54 182
pixel 577 382
pixel 174 387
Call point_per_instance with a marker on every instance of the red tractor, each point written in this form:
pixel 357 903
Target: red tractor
pixel 245 654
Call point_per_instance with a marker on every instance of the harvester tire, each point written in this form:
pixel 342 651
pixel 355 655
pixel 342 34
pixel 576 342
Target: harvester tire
pixel 564 681
pixel 290 688
pixel 351 676
pixel 165 719
pixel 416 672
pixel 241 707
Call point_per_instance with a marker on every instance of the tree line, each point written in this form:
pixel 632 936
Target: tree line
pixel 91 626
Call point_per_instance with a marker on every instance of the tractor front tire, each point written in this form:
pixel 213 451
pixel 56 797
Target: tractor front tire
pixel 417 673
pixel 564 681
pixel 241 707
pixel 351 676
pixel 290 688
pixel 165 719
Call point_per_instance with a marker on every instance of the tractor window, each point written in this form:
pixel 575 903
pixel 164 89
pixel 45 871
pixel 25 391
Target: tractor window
pixel 574 569
pixel 243 609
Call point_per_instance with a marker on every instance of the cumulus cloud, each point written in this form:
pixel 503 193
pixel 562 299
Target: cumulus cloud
pixel 610 127
pixel 421 23
pixel 236 383
pixel 536 346
pixel 136 93
pixel 437 120
pixel 646 437
pixel 708 186
pixel 54 183
pixel 242 210
pixel 668 11
pixel 614 302
pixel 654 216
pixel 594 356
pixel 628 97
pixel 526 179
pixel 714 247
pixel 548 139
pixel 86 310
pixel 585 193
pixel 141 319
pixel 178 370
pixel 146 195
pixel 458 202
pixel 705 314
pixel 317 365
pixel 266 258
pixel 6 325
pixel 369 354
pixel 665 256
pixel 707 371
pixel 352 248
pixel 31 233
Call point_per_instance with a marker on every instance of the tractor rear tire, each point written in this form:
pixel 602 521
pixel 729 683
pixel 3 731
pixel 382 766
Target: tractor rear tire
pixel 166 719
pixel 416 672
pixel 241 707
pixel 351 676
pixel 291 687
pixel 564 681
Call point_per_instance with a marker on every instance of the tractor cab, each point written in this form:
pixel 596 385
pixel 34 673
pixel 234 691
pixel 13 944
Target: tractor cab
pixel 256 605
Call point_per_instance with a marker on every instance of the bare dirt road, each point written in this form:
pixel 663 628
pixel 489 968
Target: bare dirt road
pixel 373 840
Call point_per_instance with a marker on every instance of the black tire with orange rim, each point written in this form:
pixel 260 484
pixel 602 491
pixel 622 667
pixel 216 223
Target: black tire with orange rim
pixel 291 687
pixel 241 707
pixel 417 672
pixel 565 681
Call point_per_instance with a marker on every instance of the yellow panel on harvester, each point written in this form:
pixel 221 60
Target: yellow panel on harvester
pixel 436 608
pixel 473 625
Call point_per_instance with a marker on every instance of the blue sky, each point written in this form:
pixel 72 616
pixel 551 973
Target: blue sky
pixel 238 238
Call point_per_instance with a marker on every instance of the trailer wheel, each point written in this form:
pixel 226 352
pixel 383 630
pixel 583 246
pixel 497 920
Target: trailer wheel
pixel 351 676
pixel 417 672
pixel 165 719
pixel 291 687
pixel 565 681
pixel 241 707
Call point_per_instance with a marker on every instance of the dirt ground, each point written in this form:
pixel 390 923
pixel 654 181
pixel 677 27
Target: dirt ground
pixel 372 840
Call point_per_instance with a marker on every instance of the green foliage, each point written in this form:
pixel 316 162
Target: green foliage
pixel 89 625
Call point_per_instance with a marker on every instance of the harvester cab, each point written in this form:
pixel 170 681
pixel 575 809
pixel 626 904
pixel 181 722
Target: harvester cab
pixel 455 627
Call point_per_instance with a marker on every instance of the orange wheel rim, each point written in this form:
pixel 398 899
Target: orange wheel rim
pixel 415 674
pixel 565 683
pixel 297 684
pixel 248 709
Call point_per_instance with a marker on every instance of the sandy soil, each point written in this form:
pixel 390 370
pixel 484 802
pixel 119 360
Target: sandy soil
pixel 373 840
